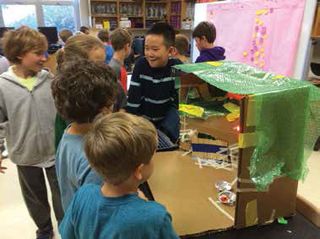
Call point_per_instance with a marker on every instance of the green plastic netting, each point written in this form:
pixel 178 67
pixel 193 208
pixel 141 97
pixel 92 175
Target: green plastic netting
pixel 287 116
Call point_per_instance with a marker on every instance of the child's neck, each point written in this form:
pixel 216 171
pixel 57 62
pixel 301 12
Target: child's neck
pixel 208 45
pixel 120 56
pixel 22 72
pixel 79 129
pixel 182 58
pixel 109 190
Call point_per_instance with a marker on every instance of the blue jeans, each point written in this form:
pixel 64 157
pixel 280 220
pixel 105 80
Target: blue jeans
pixel 170 125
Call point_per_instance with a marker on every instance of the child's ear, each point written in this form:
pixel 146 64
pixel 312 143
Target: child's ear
pixel 138 172
pixel 172 51
pixel 107 110
pixel 204 38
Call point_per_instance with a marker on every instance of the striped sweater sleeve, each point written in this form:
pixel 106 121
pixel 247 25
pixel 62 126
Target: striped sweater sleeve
pixel 134 93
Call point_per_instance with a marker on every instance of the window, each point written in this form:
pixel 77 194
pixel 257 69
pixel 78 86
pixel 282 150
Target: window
pixel 59 16
pixel 35 13
pixel 17 15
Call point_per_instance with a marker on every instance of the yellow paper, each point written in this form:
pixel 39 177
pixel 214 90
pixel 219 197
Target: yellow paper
pixel 214 63
pixel 262 12
pixel 234 109
pixel 191 110
pixel 277 77
pixel 232 116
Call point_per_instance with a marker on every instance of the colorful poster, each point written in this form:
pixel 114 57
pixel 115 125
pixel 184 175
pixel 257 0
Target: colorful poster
pixel 262 33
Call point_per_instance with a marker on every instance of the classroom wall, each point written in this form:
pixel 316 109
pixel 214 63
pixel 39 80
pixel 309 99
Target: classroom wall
pixel 84 12
pixel 304 50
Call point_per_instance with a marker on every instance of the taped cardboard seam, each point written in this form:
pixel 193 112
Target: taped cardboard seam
pixel 251 213
pixel 244 180
pixel 247 140
pixel 271 219
pixel 250 190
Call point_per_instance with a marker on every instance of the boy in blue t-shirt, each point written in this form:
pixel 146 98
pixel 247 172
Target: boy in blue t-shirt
pixel 103 35
pixel 81 90
pixel 152 93
pixel 119 147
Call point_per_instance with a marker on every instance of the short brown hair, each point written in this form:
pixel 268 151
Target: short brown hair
pixel 119 38
pixel 103 35
pixel 205 29
pixel 65 34
pixel 84 29
pixel 82 88
pixel 182 44
pixel 118 143
pixel 79 47
pixel 18 42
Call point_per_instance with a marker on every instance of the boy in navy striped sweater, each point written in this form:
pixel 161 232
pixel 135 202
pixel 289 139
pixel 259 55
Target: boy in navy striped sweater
pixel 152 92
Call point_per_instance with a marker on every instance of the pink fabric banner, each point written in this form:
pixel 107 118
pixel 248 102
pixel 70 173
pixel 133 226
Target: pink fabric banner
pixel 262 33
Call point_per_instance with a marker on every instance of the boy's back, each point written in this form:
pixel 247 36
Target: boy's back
pixel 73 169
pixel 92 216
pixel 205 35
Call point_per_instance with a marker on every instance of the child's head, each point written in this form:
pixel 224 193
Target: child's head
pixel 65 34
pixel 84 47
pixel 25 47
pixel 82 89
pixel 121 40
pixel 84 30
pixel 204 35
pixel 103 35
pixel 159 44
pixel 182 44
pixel 120 146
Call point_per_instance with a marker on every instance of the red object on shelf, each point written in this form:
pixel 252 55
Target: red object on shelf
pixel 234 96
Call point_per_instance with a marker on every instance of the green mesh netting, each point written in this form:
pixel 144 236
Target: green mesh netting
pixel 287 116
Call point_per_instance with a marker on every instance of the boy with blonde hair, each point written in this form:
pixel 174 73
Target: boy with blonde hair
pixel 119 147
pixel 182 48
pixel 27 115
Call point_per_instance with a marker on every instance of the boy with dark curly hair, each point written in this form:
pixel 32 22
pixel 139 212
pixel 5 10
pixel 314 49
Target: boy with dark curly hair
pixel 81 90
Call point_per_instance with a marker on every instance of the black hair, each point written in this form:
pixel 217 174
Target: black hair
pixel 165 30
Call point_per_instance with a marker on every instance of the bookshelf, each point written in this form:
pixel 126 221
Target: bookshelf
pixel 141 13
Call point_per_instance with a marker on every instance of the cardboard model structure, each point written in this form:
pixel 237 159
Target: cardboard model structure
pixel 277 124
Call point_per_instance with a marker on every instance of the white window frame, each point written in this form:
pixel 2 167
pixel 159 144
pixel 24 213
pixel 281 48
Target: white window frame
pixel 39 11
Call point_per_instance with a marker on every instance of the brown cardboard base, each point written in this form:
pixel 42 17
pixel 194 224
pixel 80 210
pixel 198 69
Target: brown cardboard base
pixel 184 189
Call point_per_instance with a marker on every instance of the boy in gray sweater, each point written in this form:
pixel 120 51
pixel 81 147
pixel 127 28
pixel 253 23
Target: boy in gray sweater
pixel 27 114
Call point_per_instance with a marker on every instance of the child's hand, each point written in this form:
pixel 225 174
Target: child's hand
pixel 141 195
pixel 2 169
